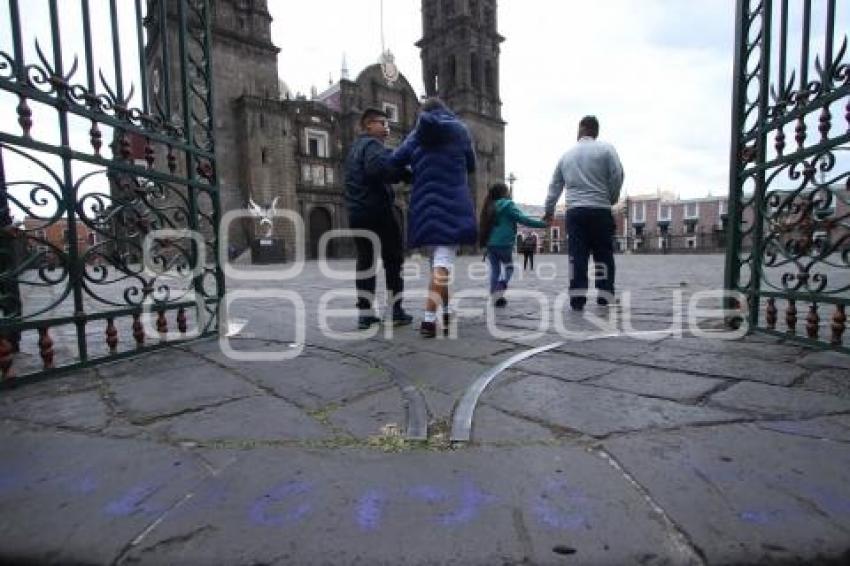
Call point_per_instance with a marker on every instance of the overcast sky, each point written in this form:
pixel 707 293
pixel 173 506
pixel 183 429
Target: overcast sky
pixel 657 74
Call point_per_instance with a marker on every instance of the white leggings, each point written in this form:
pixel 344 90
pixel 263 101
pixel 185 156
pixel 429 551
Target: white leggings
pixel 443 256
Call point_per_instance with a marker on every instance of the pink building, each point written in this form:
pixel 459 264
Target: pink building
pixel 549 240
pixel 50 239
pixel 664 223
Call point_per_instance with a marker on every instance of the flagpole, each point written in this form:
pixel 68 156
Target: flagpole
pixel 383 48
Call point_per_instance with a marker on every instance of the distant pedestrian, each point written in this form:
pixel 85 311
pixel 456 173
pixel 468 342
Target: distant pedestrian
pixel 528 249
pixel 441 217
pixel 499 217
pixel 593 176
pixel 371 206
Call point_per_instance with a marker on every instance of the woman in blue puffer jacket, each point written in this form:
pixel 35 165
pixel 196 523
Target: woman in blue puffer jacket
pixel 442 216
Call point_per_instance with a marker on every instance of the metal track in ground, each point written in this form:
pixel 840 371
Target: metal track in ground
pixel 463 414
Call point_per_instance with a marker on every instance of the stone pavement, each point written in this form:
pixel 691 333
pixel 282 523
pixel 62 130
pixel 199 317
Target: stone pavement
pixel 634 441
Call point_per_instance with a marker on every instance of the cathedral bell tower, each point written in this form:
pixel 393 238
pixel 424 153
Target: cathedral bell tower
pixel 245 94
pixel 460 49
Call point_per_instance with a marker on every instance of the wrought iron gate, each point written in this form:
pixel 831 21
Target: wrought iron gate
pixel 789 205
pixel 109 207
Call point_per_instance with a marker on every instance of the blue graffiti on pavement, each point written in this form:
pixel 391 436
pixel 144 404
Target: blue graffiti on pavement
pixel 261 512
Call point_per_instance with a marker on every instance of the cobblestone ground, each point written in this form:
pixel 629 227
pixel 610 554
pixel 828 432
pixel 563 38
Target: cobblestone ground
pixel 634 438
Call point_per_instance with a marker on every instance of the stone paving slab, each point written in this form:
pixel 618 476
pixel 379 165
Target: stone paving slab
pixel 470 340
pixel 564 366
pixel 741 503
pixel 651 382
pixel 775 401
pixel 748 349
pixel 596 411
pixel 477 348
pixel 79 410
pixel 311 380
pixel 825 360
pixel 73 499
pixel 835 428
pixel 834 381
pixel 472 507
pixel 145 395
pixel 243 421
pixel 489 424
pixel 433 371
pixel 278 461
pixel 21 391
pixel 620 349
pixel 669 356
pixel 368 416
pixel 168 358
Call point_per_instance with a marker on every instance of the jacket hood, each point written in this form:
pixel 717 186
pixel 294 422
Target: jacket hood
pixel 502 204
pixel 437 126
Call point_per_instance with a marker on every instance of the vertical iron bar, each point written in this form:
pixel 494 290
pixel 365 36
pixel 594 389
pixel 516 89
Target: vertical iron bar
pixel 783 51
pixel 17 42
pixel 56 38
pixel 11 305
pixel 189 129
pixel 830 37
pixel 68 192
pixel 92 83
pixel 739 92
pixel 804 55
pixel 216 204
pixel 5 210
pixel 116 52
pixel 166 60
pixel 140 30
pixel 761 157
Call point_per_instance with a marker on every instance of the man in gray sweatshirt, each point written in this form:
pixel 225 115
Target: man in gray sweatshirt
pixel 593 176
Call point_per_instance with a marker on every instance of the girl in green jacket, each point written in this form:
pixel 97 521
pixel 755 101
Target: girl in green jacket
pixel 497 233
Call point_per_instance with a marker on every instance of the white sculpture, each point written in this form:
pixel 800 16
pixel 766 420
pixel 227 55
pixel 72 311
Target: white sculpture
pixel 264 215
pixel 388 67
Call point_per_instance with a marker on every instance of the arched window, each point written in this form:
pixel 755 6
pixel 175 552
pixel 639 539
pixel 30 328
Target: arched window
pixel 448 8
pixel 489 20
pixel 430 16
pixel 489 78
pixel 452 71
pixel 475 73
pixel 433 86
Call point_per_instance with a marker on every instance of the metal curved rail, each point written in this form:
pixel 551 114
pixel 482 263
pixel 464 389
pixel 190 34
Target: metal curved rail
pixel 462 419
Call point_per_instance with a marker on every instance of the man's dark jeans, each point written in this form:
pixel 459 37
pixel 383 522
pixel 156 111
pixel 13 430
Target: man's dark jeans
pixel 387 228
pixel 590 231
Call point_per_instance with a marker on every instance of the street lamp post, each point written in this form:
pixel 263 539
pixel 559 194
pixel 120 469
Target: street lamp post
pixel 511 178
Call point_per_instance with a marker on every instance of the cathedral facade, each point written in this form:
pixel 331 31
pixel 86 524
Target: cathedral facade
pixel 273 147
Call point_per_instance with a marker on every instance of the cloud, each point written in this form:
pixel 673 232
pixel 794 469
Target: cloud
pixel 657 73
pixel 662 101
pixel 313 36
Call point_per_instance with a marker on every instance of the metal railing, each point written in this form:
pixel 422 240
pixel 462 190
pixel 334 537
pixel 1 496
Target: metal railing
pixel 788 249
pixel 114 136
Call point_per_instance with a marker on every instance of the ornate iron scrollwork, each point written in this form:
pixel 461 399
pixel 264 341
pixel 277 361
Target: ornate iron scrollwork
pixel 790 201
pixel 76 224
